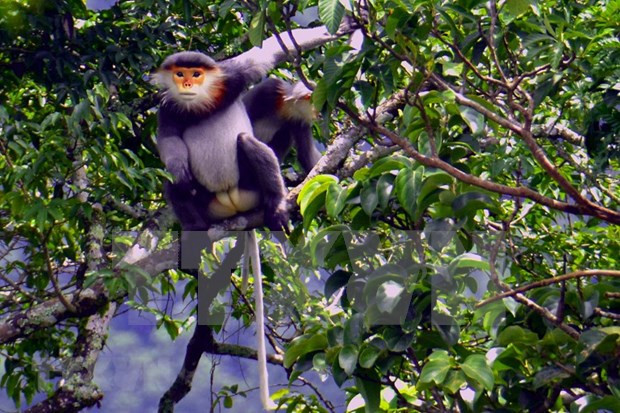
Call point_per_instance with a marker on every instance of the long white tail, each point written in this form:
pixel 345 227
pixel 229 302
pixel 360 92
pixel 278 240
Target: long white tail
pixel 263 376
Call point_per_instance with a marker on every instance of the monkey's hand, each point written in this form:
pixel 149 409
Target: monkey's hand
pixel 181 172
pixel 184 182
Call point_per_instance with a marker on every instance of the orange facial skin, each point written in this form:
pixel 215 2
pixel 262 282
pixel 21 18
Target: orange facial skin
pixel 187 77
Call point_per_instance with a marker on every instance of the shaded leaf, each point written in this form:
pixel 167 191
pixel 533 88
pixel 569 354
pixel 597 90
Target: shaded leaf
pixel 476 367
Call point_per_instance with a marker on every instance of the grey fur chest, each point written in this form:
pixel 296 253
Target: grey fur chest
pixel 212 147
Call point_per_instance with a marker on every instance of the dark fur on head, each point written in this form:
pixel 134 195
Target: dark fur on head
pixel 188 59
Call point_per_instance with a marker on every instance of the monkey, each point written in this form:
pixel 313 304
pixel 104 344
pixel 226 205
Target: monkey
pixel 280 114
pixel 205 141
pixel 220 170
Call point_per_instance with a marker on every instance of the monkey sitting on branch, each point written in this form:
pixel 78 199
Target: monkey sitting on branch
pixel 205 140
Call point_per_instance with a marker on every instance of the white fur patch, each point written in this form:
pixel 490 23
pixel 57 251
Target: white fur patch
pixel 300 109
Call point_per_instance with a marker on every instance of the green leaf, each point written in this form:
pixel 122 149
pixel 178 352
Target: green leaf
pixel 331 13
pixel 368 356
pixel 80 111
pixel 468 260
pixel 371 392
pixel 318 182
pixel 389 295
pixel 476 367
pixel 354 329
pixel 171 327
pixel 310 209
pixel 473 119
pixel 517 7
pixel 325 242
pixel 396 340
pixel 452 69
pixel 607 403
pixel 455 380
pixel 187 12
pixel 516 334
pixel 303 345
pixel 319 362
pixel 337 280
pixel 256 30
pixel 335 200
pixel 390 163
pixel 436 369
pixel 385 185
pixel 432 183
pixel 548 375
pixel 369 198
pixel 338 373
pixel 469 202
pixel 407 186
pixel 347 358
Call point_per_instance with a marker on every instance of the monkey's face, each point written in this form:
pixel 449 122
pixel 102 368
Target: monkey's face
pixel 194 88
pixel 188 80
pixel 296 103
pixel 298 108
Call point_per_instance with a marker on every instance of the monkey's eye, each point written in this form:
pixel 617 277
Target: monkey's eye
pixel 197 74
pixel 179 74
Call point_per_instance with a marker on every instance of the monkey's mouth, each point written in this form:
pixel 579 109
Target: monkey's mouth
pixel 188 95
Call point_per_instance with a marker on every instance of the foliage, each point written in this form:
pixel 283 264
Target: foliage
pixel 481 152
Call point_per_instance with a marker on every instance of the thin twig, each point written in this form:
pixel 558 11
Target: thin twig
pixel 549 281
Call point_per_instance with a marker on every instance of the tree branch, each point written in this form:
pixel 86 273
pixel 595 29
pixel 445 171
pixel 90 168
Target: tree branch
pixel 584 206
pixel 549 281
pixel 51 312
pixel 521 192
pixel 201 341
pixel 339 149
pixel 77 391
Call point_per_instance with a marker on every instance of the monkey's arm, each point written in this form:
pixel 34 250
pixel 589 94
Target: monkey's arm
pixel 307 153
pixel 172 149
pixel 257 61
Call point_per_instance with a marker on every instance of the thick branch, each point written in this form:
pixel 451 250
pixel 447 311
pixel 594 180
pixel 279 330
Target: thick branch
pixel 49 313
pixel 339 149
pixel 90 300
pixel 201 341
pixel 77 390
pixel 557 129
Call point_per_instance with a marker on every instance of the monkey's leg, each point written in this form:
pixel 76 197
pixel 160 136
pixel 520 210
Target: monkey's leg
pixel 307 153
pixel 263 376
pixel 185 202
pixel 189 204
pixel 281 143
pixel 258 165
